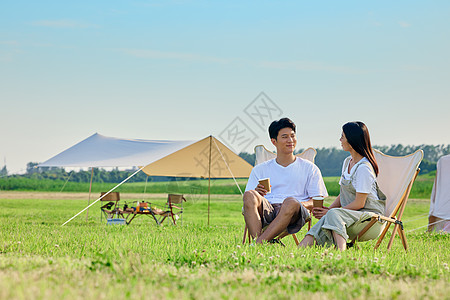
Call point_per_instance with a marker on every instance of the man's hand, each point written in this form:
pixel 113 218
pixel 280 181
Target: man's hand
pixel 318 212
pixel 261 190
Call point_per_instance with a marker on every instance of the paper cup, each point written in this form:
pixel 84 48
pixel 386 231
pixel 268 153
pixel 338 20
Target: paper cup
pixel 266 183
pixel 318 202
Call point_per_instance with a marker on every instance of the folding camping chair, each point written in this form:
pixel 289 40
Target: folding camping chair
pixel 395 179
pixel 439 215
pixel 110 208
pixel 262 154
pixel 169 212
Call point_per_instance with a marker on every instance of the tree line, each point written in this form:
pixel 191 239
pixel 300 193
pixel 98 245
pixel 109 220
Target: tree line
pixel 329 160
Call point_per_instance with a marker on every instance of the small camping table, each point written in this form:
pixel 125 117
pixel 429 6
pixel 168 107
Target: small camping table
pixel 130 214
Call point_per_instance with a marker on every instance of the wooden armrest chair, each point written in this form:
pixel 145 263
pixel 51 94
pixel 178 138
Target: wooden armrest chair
pixel 110 208
pixel 173 199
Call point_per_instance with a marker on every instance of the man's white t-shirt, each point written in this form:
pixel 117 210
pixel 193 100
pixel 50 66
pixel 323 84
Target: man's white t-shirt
pixel 301 179
pixel 364 180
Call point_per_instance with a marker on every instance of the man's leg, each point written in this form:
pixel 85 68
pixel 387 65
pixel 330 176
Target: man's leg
pixel 252 212
pixel 289 210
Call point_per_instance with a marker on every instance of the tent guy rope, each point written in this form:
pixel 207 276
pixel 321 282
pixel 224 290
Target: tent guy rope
pixel 411 230
pixel 70 175
pixel 125 180
pixel 225 161
pixel 415 219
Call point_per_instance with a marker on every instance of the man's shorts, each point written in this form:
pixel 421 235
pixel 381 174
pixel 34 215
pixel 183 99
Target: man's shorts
pixel 270 212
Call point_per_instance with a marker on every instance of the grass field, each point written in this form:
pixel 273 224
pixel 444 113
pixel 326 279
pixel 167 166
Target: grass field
pixel 39 259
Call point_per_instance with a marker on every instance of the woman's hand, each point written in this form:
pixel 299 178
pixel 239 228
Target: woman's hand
pixel 261 190
pixel 319 212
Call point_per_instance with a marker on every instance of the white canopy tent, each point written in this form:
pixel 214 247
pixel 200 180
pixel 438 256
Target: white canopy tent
pixel 439 216
pixel 207 158
pixel 102 151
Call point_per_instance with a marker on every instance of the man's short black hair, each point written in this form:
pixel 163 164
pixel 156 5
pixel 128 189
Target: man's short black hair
pixel 276 126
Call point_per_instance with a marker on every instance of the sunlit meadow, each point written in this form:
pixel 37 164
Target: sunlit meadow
pixel 40 259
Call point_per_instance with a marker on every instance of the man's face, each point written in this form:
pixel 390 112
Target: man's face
pixel 286 141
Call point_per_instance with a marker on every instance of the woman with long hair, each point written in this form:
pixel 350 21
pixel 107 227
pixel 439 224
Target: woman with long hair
pixel 359 195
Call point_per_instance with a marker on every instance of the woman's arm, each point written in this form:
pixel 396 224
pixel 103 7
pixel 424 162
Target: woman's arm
pixel 320 212
pixel 336 202
pixel 358 203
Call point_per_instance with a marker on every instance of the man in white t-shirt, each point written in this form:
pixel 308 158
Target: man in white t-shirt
pixel 294 181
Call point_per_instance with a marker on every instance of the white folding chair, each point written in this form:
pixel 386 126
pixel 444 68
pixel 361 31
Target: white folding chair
pixel 395 179
pixel 439 216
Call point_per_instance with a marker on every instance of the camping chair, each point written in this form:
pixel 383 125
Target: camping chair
pixel 395 179
pixel 170 213
pixel 439 215
pixel 110 208
pixel 262 154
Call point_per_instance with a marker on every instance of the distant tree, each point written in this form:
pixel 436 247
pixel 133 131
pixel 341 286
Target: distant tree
pixel 329 160
pixel 31 168
pixel 3 171
pixel 250 158
pixel 431 153
pixel 427 166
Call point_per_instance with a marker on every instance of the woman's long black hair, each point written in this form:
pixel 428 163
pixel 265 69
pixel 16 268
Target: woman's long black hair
pixel 358 137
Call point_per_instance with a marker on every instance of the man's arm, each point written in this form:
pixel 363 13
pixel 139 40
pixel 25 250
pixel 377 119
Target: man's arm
pixel 252 182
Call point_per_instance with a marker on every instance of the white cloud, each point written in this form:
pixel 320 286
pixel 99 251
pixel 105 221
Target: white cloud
pixel 63 24
pixel 161 3
pixel 152 54
pixel 5 57
pixel 377 24
pixel 280 65
pixel 307 66
pixel 9 52
pixel 404 24
pixel 9 43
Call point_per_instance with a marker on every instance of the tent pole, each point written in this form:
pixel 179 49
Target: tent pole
pixel 145 188
pixel 209 175
pixel 90 189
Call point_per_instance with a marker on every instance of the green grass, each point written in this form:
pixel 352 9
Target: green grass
pixel 421 188
pixel 39 259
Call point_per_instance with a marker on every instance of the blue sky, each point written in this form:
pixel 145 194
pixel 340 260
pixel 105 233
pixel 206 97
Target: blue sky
pixel 188 69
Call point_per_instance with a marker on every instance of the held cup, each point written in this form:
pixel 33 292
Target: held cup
pixel 318 202
pixel 266 183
